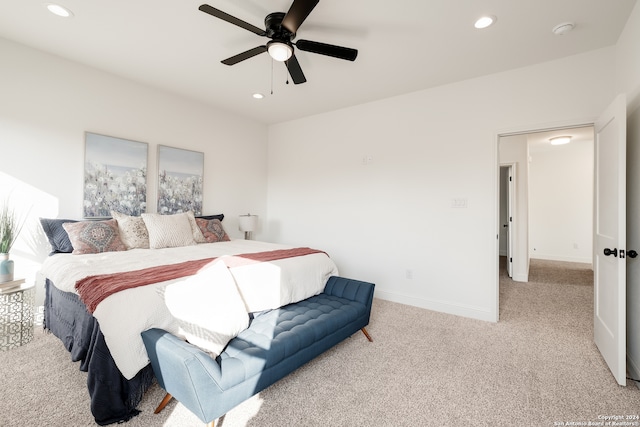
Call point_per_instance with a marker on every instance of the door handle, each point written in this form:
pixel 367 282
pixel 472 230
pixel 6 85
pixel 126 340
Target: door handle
pixel 632 254
pixel 613 252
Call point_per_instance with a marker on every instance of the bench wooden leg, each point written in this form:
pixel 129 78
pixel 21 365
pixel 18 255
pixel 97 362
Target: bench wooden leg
pixel 213 423
pixel 167 398
pixel 366 334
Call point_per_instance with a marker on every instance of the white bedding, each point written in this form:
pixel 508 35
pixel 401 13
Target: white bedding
pixel 124 315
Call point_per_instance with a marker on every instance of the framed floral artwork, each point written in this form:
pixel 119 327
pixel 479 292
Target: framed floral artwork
pixel 180 177
pixel 115 176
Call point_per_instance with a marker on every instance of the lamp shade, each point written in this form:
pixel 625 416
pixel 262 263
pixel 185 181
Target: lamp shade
pixel 248 222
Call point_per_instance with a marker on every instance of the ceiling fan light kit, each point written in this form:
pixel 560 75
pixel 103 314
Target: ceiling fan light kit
pixel 281 28
pixel 279 51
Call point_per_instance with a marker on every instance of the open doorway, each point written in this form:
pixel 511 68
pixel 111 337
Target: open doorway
pixel 507 199
pixel 607 235
pixel 552 210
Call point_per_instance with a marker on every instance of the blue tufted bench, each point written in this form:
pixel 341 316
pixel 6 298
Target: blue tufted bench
pixel 275 344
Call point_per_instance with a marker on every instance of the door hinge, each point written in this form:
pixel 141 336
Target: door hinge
pixel 510 179
pixel 510 259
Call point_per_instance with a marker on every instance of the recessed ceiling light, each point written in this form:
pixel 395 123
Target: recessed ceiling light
pixel 56 9
pixel 560 140
pixel 258 95
pixel 485 21
pixel 563 28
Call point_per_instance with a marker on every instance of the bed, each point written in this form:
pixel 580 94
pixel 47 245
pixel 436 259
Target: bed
pixel 102 329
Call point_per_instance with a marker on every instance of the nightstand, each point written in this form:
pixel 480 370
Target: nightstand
pixel 16 313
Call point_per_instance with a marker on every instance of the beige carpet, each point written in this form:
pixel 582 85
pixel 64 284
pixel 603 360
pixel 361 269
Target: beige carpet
pixel 537 367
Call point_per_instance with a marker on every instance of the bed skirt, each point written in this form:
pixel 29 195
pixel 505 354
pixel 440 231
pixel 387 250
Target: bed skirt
pixel 113 397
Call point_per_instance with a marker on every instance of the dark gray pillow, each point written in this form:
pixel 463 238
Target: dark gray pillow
pixel 210 217
pixel 57 235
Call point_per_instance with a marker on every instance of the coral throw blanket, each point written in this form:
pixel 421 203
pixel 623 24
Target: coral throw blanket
pixel 94 289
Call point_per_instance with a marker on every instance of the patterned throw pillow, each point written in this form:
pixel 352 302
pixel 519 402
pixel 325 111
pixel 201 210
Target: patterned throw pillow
pixel 168 231
pixel 93 237
pixel 212 230
pixel 132 230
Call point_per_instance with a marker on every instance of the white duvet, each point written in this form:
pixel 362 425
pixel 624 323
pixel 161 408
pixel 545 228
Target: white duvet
pixel 124 315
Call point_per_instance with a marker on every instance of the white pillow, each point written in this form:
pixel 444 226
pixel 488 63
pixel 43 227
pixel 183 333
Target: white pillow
pixel 168 231
pixel 197 233
pixel 208 307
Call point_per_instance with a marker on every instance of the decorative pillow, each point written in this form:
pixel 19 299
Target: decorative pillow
pixel 93 237
pixel 133 232
pixel 168 231
pixel 197 234
pixel 212 230
pixel 208 307
pixel 218 216
pixel 57 235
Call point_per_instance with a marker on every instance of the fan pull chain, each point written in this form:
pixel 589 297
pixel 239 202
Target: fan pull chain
pixel 287 64
pixel 272 77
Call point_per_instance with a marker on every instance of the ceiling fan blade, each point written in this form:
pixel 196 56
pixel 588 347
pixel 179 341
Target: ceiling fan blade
pixel 294 70
pixel 327 49
pixel 297 13
pixel 231 19
pixel 245 55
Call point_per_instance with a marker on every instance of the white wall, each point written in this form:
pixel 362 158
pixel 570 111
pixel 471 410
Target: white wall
pixel 627 60
pixel 513 149
pixel 46 105
pixel 394 216
pixel 379 221
pixel 561 202
pixel 628 81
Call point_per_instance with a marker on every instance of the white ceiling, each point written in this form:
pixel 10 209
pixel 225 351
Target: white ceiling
pixel 404 45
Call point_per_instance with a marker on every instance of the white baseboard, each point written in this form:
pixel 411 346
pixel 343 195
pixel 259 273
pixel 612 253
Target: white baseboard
pixel 469 311
pixel 562 258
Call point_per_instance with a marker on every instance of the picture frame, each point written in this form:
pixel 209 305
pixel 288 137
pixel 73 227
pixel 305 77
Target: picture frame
pixel 180 180
pixel 115 176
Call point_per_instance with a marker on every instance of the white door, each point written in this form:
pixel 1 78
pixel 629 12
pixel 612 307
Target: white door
pixel 610 237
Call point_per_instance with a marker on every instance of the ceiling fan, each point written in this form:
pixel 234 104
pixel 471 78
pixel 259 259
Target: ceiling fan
pixel 281 29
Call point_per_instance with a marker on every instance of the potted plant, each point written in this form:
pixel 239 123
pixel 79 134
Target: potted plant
pixel 10 227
